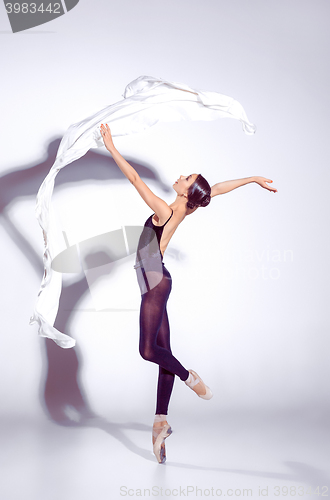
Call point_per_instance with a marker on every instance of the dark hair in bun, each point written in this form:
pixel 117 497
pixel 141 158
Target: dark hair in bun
pixel 199 193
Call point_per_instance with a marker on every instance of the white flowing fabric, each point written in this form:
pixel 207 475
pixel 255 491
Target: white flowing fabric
pixel 147 100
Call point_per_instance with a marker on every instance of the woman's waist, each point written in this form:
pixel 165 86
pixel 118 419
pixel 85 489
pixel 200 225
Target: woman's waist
pixel 151 269
pixel 149 260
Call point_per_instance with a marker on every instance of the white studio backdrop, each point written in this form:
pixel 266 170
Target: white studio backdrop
pixel 248 308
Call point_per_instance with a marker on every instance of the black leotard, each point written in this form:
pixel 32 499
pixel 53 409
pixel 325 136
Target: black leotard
pixel 149 259
pixel 155 285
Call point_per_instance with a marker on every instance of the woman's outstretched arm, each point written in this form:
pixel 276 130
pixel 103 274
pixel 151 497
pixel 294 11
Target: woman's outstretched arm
pixel 226 186
pixel 124 166
pixel 159 206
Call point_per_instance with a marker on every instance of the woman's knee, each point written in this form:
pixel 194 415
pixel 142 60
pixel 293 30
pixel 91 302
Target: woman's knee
pixel 147 352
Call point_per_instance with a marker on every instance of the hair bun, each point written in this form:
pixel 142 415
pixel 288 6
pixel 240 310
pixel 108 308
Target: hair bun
pixel 205 201
pixel 190 205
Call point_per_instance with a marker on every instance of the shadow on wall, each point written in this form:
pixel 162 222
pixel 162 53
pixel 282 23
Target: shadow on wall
pixel 61 393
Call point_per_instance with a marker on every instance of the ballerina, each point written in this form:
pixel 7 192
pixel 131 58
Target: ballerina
pixel 147 101
pixel 155 281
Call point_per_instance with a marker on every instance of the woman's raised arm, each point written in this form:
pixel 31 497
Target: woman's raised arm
pixel 226 186
pixel 159 206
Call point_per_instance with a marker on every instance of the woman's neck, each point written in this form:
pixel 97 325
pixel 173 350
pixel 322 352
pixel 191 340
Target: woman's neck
pixel 179 204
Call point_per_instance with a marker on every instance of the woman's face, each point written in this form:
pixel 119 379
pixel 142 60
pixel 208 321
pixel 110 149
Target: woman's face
pixel 184 182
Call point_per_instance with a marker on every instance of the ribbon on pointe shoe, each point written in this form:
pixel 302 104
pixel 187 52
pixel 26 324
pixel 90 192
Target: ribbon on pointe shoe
pixel 196 379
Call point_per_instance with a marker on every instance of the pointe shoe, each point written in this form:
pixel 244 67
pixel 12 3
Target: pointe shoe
pixel 208 394
pixel 159 434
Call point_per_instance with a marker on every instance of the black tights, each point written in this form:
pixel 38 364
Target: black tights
pixel 155 340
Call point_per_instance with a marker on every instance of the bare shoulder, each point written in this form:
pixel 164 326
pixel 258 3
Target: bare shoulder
pixel 179 216
pixel 172 219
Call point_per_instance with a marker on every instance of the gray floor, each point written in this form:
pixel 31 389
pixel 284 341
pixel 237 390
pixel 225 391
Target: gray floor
pixel 251 455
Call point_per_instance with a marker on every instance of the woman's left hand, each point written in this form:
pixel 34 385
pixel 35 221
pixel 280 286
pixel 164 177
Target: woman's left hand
pixel 262 182
pixel 107 137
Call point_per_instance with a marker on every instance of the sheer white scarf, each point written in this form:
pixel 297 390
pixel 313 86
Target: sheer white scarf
pixel 147 100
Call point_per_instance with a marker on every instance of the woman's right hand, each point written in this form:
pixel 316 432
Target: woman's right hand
pixel 107 137
pixel 262 182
